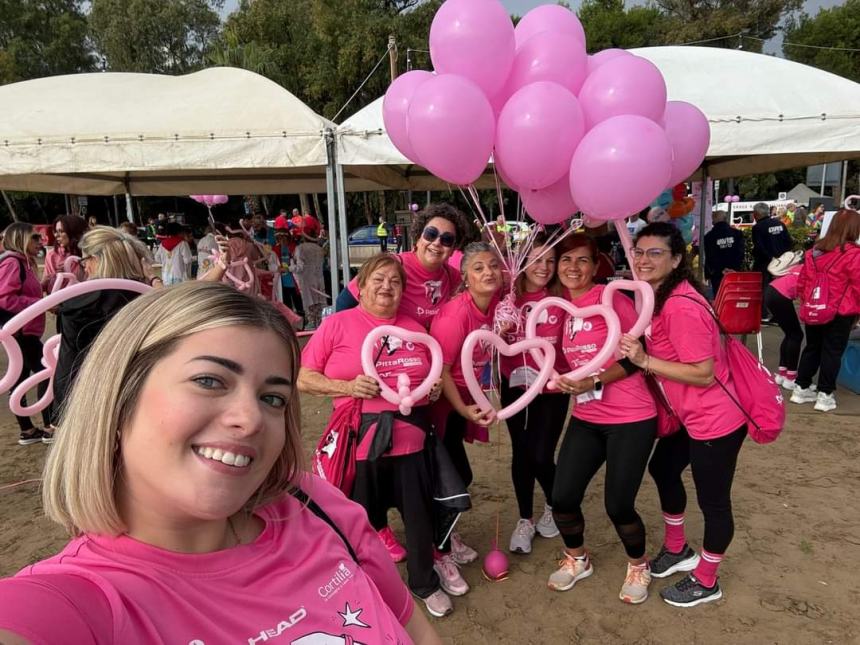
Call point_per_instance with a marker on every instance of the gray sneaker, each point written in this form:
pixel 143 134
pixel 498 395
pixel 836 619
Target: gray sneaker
pixel 521 539
pixel 546 524
pixel 438 604
pixel 666 563
pixel 689 592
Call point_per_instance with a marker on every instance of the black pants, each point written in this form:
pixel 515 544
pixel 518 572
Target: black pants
pixel 766 277
pixel 825 345
pixel 713 464
pixel 31 353
pixel 293 300
pixel 534 436
pixel 624 447
pixel 383 244
pixel 784 315
pixel 716 279
pixel 455 432
pixel 405 482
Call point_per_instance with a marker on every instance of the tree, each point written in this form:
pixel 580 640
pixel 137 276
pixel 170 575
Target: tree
pixel 608 24
pixel 230 52
pixel 42 38
pixel 154 36
pixel 835 27
pixel 697 20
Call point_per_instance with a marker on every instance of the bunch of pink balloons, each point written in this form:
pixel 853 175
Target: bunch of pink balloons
pixel 570 132
pixel 209 200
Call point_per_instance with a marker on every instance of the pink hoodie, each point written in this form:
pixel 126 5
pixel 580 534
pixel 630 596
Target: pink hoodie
pixel 15 296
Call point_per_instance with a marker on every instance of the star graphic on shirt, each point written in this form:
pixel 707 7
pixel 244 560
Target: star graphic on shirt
pixel 351 617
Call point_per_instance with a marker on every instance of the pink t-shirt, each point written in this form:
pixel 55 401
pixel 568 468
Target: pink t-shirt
pixel 685 332
pixel 457 318
pixel 786 285
pixel 425 292
pixel 624 401
pixel 296 583
pixel 517 369
pixel 335 351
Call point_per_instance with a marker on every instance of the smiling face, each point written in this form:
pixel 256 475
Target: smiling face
pixel 540 268
pixel 483 274
pixel 576 269
pixel 381 292
pixel 208 426
pixel 653 259
pixel 433 255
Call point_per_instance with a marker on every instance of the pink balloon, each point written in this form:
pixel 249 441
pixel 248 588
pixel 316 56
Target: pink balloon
pixel 404 398
pixel 549 56
pixel 613 335
pixel 550 205
pixel 63 280
pixel 538 130
pixel 504 176
pixel 644 295
pixel 495 565
pixel 210 200
pixel 620 166
pixel 549 17
pixel 219 199
pixel 543 347
pixel 689 134
pixel 475 39
pixel 395 106
pixel 603 56
pixel 451 128
pixel 624 85
pixel 239 267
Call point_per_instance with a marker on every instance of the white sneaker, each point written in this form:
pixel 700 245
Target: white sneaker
pixel 778 379
pixel 546 525
pixel 788 384
pixel 438 604
pixel 803 395
pixel 449 575
pixel 461 553
pixel 521 539
pixel 569 572
pixel 825 402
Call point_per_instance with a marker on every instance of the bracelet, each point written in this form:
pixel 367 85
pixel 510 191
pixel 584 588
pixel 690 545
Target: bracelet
pixel 154 278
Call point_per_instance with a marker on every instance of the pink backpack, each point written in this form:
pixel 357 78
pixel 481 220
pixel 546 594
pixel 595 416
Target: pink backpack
pixel 816 307
pixel 334 457
pixel 758 396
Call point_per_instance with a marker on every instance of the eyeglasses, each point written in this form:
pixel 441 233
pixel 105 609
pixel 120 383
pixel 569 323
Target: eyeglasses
pixel 36 237
pixel 431 233
pixel 653 254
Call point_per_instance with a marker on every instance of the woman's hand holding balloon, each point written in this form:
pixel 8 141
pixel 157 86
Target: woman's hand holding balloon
pixel 631 348
pixel 478 416
pixel 580 386
pixel 363 387
pixel 435 392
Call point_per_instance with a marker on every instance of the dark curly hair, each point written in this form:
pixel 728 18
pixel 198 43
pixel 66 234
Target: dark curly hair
pixel 75 226
pixel 445 211
pixel 682 272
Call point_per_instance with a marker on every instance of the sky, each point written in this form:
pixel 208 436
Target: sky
pixel 519 7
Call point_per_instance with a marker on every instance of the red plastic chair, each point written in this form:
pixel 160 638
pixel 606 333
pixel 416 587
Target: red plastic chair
pixel 738 305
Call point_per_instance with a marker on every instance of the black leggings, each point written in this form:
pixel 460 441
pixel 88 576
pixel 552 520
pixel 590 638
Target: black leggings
pixel 534 436
pixel 455 432
pixel 784 315
pixel 624 447
pixel 31 353
pixel 713 464
pixel 825 345
pixel 405 483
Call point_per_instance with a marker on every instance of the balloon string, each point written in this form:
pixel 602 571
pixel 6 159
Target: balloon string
pixel 627 243
pixel 20 483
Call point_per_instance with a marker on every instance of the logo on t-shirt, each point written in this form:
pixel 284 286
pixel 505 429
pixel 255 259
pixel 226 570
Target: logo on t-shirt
pixel 280 628
pixel 433 291
pixel 575 325
pixel 341 576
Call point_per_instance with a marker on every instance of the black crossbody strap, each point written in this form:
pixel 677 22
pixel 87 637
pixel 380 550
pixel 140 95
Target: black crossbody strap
pixel 314 508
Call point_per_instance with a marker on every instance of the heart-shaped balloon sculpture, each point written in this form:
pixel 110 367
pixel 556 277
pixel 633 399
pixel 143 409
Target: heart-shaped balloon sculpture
pixel 613 335
pixel 50 353
pixel 238 282
pixel 405 398
pixel 63 280
pixel 644 295
pixel 543 347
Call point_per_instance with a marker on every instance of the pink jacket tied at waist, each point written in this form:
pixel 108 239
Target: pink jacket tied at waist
pixel 15 296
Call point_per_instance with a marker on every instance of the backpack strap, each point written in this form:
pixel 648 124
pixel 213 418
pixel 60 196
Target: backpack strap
pixel 314 508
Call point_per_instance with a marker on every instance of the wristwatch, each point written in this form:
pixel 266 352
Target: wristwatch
pixel 598 384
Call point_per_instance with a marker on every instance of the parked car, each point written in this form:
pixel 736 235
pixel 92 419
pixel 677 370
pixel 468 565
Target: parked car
pixel 364 244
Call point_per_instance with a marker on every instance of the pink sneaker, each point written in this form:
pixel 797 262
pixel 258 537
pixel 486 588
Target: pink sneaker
pixel 460 552
pixel 449 575
pixel 394 548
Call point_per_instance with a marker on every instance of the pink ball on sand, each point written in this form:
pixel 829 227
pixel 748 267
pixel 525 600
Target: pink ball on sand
pixel 495 566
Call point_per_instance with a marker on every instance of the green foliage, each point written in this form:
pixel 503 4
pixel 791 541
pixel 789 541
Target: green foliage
pixel 42 38
pixel 800 238
pixel 834 27
pixel 154 36
pixel 609 24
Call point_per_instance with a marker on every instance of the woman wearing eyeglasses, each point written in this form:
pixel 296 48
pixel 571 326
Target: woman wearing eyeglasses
pixel 613 422
pixel 68 231
pixel 686 355
pixel 20 288
pixel 430 281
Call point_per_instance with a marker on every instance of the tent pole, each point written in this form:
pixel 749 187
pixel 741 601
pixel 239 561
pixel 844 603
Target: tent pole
pixel 341 221
pixel 332 212
pixel 703 195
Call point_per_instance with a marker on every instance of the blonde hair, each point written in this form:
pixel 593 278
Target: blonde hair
pixel 16 237
pixel 119 255
pixel 79 488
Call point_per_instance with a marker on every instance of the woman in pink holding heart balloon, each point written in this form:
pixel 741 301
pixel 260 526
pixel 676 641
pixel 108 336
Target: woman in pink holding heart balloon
pixel 536 429
pixel 460 419
pixel 613 422
pixel 686 356
pixel 391 465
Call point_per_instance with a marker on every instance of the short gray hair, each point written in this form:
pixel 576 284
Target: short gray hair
pixel 471 251
pixel 761 209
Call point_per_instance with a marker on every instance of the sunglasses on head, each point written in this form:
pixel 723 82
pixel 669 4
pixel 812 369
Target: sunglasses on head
pixel 445 239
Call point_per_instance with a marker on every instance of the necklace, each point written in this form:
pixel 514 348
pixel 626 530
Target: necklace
pixel 233 531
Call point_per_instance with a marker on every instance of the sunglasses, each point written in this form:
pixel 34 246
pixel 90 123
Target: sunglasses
pixel 431 233
pixel 653 254
pixel 36 237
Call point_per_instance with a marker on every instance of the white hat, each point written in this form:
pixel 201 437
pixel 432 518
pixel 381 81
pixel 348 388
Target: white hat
pixel 780 266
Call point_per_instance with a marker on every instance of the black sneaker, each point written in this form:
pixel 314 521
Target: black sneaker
pixel 689 592
pixel 666 563
pixel 29 437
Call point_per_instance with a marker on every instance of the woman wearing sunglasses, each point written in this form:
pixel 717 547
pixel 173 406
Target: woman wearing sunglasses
pixel 461 419
pixel 20 288
pixel 430 281
pixel 686 355
pixel 68 231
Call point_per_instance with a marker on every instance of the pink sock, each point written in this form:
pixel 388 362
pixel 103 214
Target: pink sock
pixel 706 570
pixel 782 370
pixel 675 539
pixel 791 376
